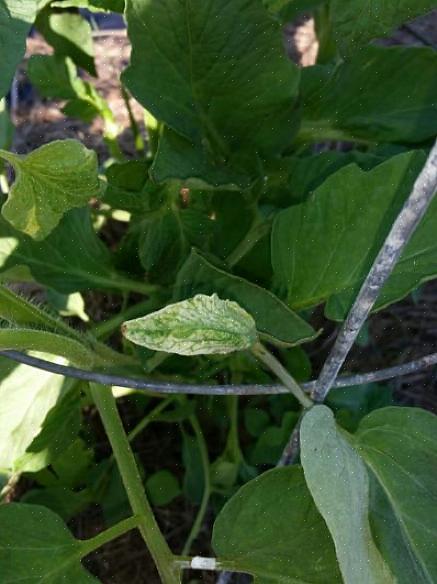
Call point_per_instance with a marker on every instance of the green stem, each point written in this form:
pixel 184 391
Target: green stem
pixel 90 545
pixel 34 340
pixel 128 285
pixel 107 327
pixel 138 139
pixel 197 525
pixel 163 557
pixel 255 233
pixel 279 370
pixel 141 426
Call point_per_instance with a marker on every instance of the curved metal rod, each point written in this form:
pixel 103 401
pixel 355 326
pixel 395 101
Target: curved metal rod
pixel 188 388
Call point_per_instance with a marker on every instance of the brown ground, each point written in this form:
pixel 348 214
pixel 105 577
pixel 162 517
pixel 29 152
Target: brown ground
pixel 404 331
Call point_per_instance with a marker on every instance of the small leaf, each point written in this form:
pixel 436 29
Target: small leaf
pixel 49 182
pixel 36 547
pixel 339 483
pixel 162 487
pixel 272 530
pixel 198 326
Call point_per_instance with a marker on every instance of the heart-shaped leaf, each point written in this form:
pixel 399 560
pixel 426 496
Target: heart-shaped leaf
pixel 50 181
pixel 198 326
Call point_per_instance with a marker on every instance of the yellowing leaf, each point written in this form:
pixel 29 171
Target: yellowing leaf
pixel 49 182
pixel 198 326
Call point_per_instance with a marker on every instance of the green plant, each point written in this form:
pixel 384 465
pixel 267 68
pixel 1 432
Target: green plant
pixel 235 229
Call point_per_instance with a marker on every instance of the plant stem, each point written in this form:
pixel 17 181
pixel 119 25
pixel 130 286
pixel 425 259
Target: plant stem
pixel 255 233
pixel 89 545
pixel 163 557
pixel 279 370
pixel 138 139
pixel 403 228
pixel 197 525
pixel 141 426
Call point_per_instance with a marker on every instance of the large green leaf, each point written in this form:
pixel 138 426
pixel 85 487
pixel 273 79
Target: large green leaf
pixel 70 259
pixel 6 126
pixel 358 21
pixel 35 406
pixel 36 547
pixel 339 484
pixel 16 18
pixel 370 97
pixel 50 181
pixel 216 73
pixel 272 530
pixel 70 35
pixel 399 445
pixel 346 220
pixel 198 326
pixel 274 320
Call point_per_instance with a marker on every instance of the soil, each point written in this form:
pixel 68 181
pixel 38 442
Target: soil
pixel 402 332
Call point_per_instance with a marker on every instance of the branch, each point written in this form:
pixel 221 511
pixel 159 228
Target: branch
pixel 187 388
pixel 400 233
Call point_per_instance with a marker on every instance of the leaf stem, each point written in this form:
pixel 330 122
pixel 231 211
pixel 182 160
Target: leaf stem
pixel 255 233
pixel 90 545
pixel 197 525
pixel 403 228
pixel 279 370
pixel 161 553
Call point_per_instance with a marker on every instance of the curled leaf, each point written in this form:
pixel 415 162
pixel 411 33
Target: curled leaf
pixel 198 326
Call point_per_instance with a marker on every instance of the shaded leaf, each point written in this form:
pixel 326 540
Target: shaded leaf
pixel 50 181
pixel 198 326
pixel 70 259
pixel 358 21
pixel 264 527
pixel 37 547
pixel 339 484
pixel 162 487
pixel 274 320
pixel 336 107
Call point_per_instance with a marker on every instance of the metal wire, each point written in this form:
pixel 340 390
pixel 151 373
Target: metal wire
pixel 188 388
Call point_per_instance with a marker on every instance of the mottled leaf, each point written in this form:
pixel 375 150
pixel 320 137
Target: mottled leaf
pixel 200 325
pixel 274 320
pixel 339 484
pixel 50 181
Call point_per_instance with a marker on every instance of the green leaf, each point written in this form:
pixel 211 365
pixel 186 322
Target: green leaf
pixel 198 326
pixel 16 17
pixel 6 126
pixel 272 530
pixel 274 320
pixel 358 21
pixel 61 500
pixel 339 484
pixel 272 441
pixel 346 220
pixel 336 107
pixel 33 404
pixel 196 67
pixel 399 445
pixel 36 547
pixel 68 304
pixel 70 259
pixel 50 181
pixel 162 487
pixel 54 76
pixel 163 246
pixel 70 35
pixel 130 189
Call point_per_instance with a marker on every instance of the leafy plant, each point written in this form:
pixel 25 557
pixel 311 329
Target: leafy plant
pixel 232 230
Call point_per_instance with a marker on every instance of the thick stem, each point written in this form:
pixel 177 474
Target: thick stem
pixel 89 545
pixel 279 370
pixel 400 233
pixel 163 557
